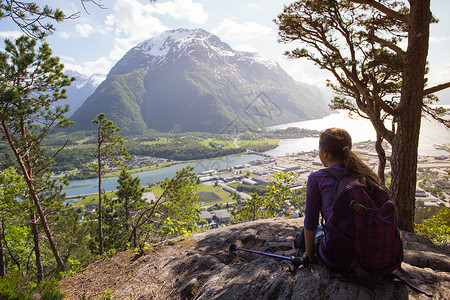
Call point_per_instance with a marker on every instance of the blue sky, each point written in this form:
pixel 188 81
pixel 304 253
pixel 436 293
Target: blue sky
pixel 96 40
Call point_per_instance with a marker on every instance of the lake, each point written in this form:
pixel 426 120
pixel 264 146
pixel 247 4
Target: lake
pixel 359 129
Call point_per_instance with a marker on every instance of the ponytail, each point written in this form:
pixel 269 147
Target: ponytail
pixel 338 143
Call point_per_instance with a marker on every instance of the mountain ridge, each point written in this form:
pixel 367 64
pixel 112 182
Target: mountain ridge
pixel 174 72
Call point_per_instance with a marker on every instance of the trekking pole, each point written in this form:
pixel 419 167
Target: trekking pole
pixel 296 262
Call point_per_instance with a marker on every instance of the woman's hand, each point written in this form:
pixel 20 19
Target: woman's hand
pixel 309 243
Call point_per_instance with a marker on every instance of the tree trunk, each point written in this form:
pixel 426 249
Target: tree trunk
pixel 34 198
pixel 100 213
pixel 37 247
pixel 408 114
pixel 47 231
pixel 381 159
pixel 127 212
pixel 2 253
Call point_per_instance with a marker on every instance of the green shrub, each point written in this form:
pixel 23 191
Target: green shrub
pixel 14 287
pixel 11 288
pixel 49 290
pixel 436 228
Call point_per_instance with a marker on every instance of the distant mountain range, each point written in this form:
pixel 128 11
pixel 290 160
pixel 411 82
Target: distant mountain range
pixel 189 80
pixel 79 90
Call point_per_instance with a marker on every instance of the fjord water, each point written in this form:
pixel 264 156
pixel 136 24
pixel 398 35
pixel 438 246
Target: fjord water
pixel 360 130
pixel 431 132
pixel 88 186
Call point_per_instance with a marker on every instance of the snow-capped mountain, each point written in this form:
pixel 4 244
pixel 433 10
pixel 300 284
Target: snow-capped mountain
pixel 190 80
pixel 80 89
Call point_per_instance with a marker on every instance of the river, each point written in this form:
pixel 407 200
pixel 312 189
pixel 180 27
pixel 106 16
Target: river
pixel 360 130
pixel 88 186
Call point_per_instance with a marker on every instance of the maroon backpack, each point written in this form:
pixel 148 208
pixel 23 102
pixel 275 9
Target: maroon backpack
pixel 361 237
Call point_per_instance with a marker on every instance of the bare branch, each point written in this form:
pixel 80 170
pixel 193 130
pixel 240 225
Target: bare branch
pixel 389 12
pixel 435 114
pixel 436 88
pixel 93 1
pixel 390 45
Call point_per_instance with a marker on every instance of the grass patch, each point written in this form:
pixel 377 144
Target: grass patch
pixel 257 142
pixel 217 189
pixel 75 186
pixel 209 197
pixel 157 190
pixel 205 188
pixel 223 194
pixel 152 142
pixel 225 144
pixel 93 199
pixel 234 185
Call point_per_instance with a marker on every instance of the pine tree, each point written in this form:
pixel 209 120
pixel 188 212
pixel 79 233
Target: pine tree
pixel 129 196
pixel 31 82
pixel 357 41
pixel 109 153
pixel 119 212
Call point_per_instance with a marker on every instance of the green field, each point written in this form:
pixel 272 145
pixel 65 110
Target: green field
pixel 257 142
pixel 209 197
pixel 93 199
pixel 225 144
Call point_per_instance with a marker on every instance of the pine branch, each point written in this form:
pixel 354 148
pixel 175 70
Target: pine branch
pixel 389 12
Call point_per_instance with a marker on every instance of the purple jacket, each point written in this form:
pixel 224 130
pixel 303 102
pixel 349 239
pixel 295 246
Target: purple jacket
pixel 319 197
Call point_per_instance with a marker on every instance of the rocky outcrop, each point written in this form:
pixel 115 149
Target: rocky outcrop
pixel 202 267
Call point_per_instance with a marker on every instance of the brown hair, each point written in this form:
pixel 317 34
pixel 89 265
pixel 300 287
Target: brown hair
pixel 338 143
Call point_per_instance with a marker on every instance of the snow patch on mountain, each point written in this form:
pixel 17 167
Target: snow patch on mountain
pixel 182 41
pixel 261 59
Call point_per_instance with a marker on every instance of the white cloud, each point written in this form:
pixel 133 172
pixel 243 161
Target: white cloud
pixel 119 50
pixel 303 70
pixel 131 17
pixel 12 35
pixel 132 23
pixel 244 48
pixel 183 9
pixel 230 29
pixel 100 66
pixel 84 30
pixel 73 67
pixel 65 35
pixel 434 39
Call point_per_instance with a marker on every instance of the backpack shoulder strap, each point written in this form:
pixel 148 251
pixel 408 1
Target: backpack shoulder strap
pixel 344 181
pixel 414 287
pixel 338 174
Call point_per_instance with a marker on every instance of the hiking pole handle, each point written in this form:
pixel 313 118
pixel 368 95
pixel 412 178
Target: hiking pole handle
pixel 296 262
